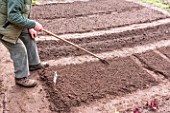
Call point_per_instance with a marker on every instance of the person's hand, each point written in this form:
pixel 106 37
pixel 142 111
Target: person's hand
pixel 38 27
pixel 33 33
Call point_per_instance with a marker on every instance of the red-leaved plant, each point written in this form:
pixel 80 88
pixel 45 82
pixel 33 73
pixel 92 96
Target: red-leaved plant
pixel 152 105
pixel 136 111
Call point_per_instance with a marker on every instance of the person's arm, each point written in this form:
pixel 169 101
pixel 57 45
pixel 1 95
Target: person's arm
pixel 14 9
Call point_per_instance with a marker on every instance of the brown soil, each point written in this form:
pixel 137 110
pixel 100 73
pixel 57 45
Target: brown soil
pixel 85 83
pixel 92 15
pixel 156 63
pixel 54 11
pixel 165 51
pixel 99 44
pixel 15 99
pixel 1 81
pixel 77 84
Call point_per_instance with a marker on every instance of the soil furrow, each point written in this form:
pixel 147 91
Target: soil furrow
pixel 128 103
pixel 149 31
pixel 153 70
pixel 81 8
pixel 155 62
pixel 84 83
pixel 82 79
pixel 99 22
pixel 80 17
pixel 104 43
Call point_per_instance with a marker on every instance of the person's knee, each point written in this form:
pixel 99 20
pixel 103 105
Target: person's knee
pixel 19 52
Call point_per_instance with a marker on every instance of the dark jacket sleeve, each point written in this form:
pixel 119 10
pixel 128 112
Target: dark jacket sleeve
pixel 14 14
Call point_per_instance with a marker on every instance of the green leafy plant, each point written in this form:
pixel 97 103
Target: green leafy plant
pixel 163 4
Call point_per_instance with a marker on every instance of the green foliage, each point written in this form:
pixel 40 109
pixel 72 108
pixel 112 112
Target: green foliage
pixel 34 1
pixel 163 4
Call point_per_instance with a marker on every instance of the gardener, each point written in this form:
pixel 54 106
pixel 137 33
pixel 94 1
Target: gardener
pixel 17 33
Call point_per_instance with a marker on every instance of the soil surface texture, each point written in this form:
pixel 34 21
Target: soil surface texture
pixel 131 76
pixel 155 62
pixel 77 84
pixel 165 51
pixel 88 82
pixel 92 15
pixel 98 44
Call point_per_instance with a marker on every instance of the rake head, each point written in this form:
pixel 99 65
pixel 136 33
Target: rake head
pixel 104 62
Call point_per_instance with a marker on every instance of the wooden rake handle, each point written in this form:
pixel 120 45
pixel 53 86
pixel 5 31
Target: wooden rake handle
pixel 75 45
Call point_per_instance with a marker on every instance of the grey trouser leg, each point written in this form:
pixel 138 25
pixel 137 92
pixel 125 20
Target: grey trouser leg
pixel 23 54
pixel 19 56
pixel 31 47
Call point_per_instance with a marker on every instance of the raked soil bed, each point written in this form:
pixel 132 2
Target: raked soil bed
pixel 92 15
pixel 52 50
pixel 87 82
pixel 84 83
pixel 91 81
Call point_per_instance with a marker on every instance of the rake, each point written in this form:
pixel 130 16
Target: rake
pixel 75 45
